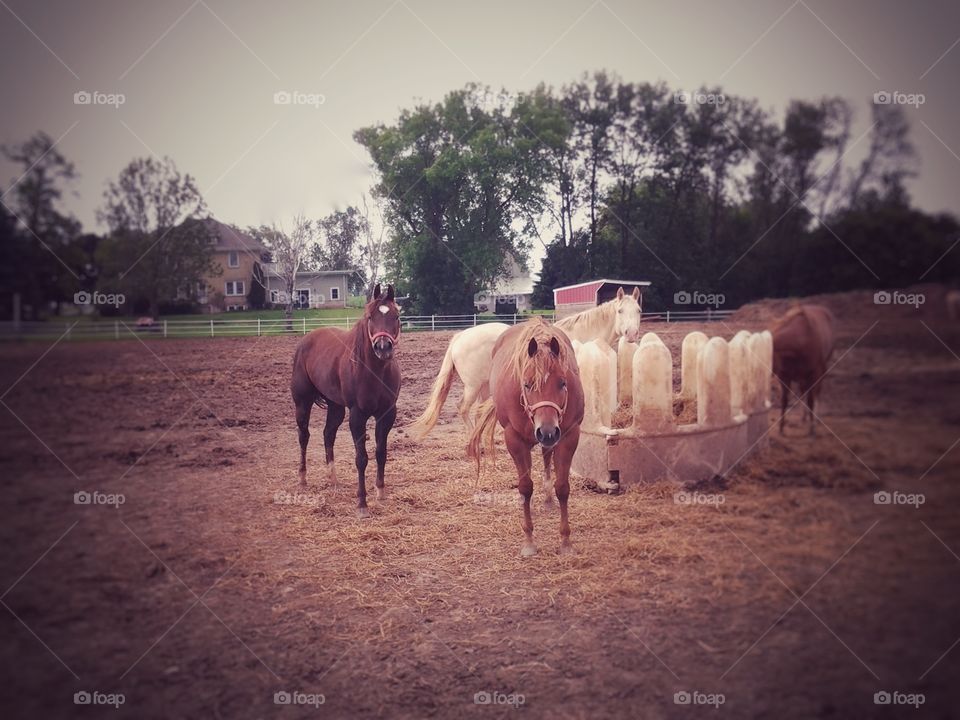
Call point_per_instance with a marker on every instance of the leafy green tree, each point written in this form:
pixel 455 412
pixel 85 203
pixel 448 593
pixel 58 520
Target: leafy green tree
pixel 462 181
pixel 158 245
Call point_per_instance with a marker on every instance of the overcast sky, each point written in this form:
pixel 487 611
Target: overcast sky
pixel 199 78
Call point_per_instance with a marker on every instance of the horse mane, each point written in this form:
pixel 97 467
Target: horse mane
pixel 359 338
pixel 585 317
pixel 541 331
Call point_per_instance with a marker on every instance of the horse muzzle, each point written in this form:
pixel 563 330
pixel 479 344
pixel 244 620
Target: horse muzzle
pixel 383 348
pixel 547 435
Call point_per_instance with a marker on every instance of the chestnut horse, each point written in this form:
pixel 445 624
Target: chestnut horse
pixel 339 369
pixel 537 397
pixel 802 345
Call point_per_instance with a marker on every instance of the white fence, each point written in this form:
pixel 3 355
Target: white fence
pixel 106 329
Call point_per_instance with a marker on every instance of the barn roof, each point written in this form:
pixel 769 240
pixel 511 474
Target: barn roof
pixel 603 281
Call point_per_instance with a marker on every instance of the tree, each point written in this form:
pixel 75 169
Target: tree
pixel 289 252
pixel 340 244
pixel 43 259
pixel 374 238
pixel 159 246
pixel 460 180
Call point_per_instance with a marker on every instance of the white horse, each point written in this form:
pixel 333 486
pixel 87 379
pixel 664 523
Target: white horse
pixel 469 353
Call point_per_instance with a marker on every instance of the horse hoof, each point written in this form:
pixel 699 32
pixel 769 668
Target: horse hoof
pixel 566 549
pixel 528 550
pixel 363 513
pixel 381 493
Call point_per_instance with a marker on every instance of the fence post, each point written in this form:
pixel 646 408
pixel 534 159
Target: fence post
pixel 116 329
pixel 211 327
pixel 304 324
pixel 164 327
pixel 514 318
pixel 708 313
pixel 474 320
pixel 433 322
pixel 668 316
pixel 258 327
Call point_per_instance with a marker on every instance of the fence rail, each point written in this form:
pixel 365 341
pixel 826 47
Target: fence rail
pixel 106 329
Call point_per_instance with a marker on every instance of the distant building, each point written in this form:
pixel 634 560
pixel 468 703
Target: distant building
pixel 237 255
pixel 511 294
pixel 571 299
pixel 313 288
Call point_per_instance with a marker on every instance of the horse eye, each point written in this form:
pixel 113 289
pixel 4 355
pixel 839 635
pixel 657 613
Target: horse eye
pixel 563 384
pixel 528 386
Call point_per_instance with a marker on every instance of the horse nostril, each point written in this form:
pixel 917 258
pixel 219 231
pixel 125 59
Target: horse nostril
pixel 538 434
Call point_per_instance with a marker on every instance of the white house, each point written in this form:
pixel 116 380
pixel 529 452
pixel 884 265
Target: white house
pixel 312 289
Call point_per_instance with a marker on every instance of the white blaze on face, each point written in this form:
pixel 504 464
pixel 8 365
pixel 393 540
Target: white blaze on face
pixel 384 309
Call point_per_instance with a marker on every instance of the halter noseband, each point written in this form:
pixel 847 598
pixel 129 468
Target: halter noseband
pixel 376 336
pixel 531 409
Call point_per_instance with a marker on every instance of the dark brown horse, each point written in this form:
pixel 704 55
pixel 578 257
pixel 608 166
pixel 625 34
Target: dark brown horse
pixel 339 369
pixel 802 345
pixel 537 397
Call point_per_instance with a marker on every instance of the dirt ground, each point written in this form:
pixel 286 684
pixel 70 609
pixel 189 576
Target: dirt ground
pixel 205 592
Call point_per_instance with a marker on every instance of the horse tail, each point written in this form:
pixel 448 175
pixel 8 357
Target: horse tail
pixel 483 430
pixel 422 426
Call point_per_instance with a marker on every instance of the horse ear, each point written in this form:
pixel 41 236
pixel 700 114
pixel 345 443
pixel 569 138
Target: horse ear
pixel 532 347
pixel 620 294
pixel 555 347
pixel 636 293
pixel 390 293
pixel 376 292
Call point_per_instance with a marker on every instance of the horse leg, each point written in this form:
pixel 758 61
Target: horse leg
pixel 783 405
pixel 547 480
pixel 811 398
pixel 469 396
pixel 335 415
pixel 304 406
pixel 563 457
pixel 384 423
pixel 358 428
pixel 520 452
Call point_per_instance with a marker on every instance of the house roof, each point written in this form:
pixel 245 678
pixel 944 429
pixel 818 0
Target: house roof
pixel 270 270
pixel 227 238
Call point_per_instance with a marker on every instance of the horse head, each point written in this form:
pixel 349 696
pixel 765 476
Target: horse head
pixel 381 317
pixel 627 318
pixel 543 387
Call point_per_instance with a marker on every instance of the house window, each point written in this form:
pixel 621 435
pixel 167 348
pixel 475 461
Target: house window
pixel 234 287
pixel 202 291
pixel 233 258
pixel 334 293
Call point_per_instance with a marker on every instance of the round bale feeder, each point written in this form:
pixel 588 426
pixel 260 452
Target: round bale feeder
pixel 729 382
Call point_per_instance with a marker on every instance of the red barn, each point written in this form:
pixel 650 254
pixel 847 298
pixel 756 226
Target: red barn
pixel 572 299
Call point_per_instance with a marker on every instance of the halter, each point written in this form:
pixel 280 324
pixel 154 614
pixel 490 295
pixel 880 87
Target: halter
pixel 375 336
pixel 531 409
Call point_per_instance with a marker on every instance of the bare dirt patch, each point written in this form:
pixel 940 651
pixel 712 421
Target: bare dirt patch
pixel 215 585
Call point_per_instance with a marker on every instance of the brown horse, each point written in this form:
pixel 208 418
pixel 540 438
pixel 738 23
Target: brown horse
pixel 802 345
pixel 339 369
pixel 537 397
